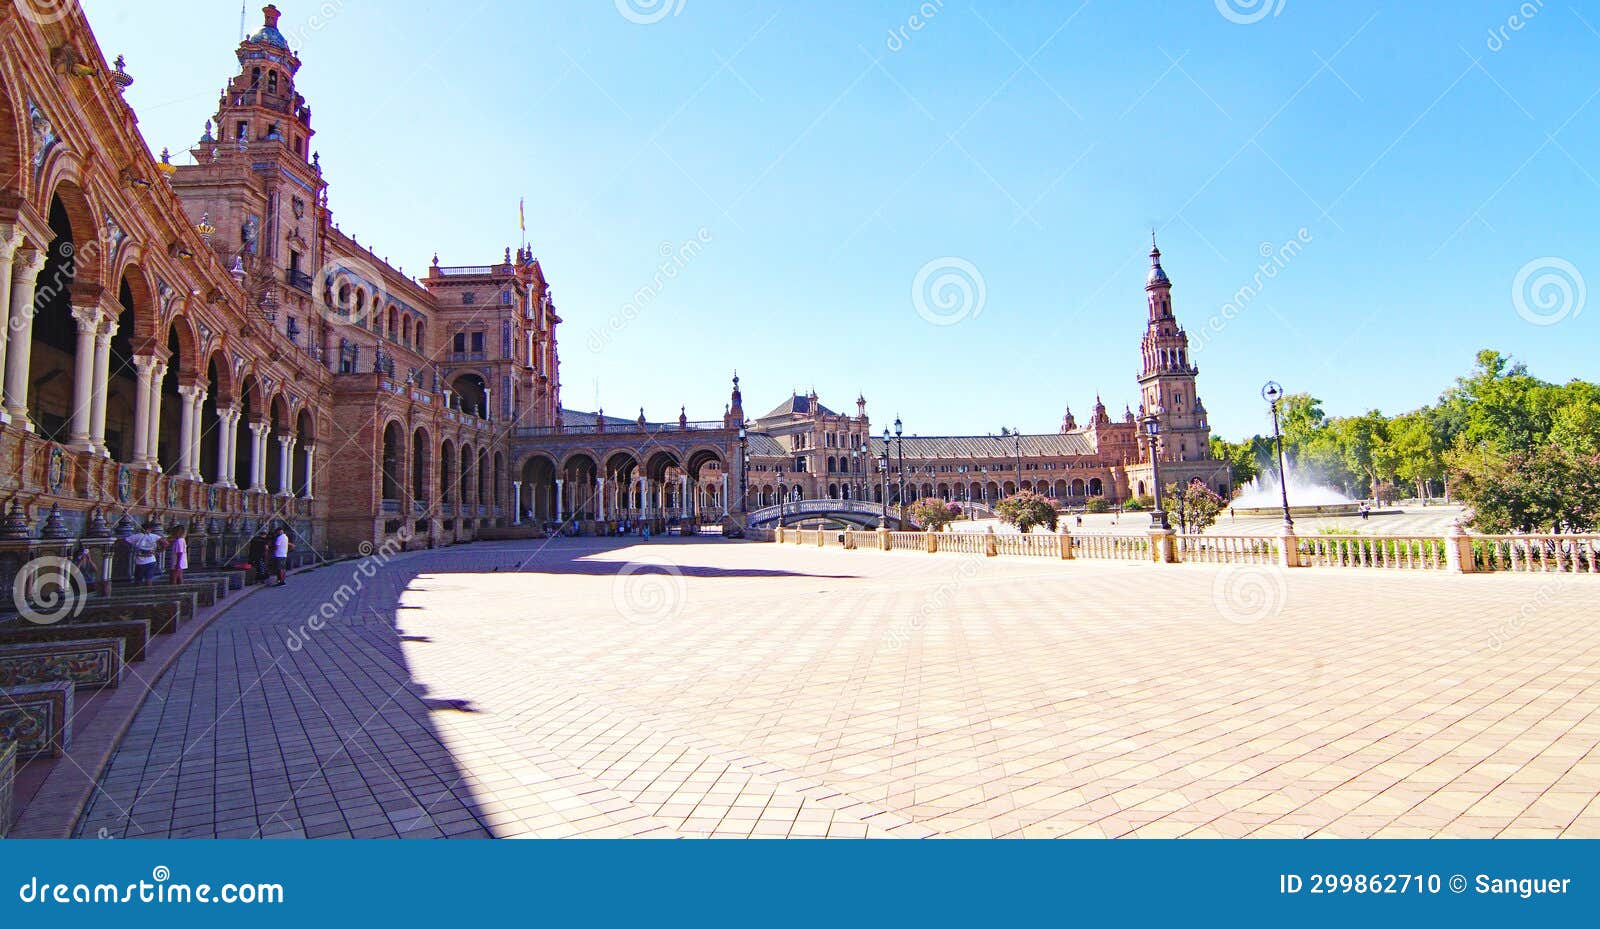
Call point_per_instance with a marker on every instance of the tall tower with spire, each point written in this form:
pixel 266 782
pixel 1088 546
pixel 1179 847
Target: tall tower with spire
pixel 1167 378
pixel 256 181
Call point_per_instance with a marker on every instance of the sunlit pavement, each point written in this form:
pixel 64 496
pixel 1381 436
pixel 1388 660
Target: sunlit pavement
pixel 724 689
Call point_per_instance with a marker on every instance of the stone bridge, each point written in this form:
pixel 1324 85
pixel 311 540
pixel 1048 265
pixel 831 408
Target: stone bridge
pixel 852 512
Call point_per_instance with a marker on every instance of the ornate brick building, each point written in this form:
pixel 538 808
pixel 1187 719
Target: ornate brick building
pixel 201 344
pixel 816 453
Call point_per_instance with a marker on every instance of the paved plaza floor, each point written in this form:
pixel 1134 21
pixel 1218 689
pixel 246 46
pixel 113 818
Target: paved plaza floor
pixel 687 688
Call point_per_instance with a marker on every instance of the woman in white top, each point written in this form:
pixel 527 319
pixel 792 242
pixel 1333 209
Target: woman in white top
pixel 178 560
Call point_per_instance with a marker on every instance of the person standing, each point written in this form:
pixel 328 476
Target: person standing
pixel 280 555
pixel 145 545
pixel 179 557
pixel 258 555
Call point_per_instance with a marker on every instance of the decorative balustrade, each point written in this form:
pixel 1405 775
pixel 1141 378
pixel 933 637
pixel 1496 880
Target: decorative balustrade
pixel 1397 552
pixel 1456 553
pixel 1227 549
pixel 1537 554
pixel 1111 547
pixel 1044 544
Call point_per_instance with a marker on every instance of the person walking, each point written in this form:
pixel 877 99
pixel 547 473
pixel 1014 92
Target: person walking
pixel 280 555
pixel 145 545
pixel 178 557
pixel 258 555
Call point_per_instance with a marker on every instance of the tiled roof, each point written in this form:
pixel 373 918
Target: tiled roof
pixel 580 418
pixel 765 446
pixel 798 405
pixel 982 446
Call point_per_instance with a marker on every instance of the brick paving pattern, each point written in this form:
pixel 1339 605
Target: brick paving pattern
pixel 765 691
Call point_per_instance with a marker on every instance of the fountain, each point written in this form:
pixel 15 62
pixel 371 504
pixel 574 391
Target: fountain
pixel 1264 497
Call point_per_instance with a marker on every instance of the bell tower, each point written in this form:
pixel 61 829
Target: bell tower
pixel 260 105
pixel 1167 379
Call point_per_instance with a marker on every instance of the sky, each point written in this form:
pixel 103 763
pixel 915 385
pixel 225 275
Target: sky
pixel 947 207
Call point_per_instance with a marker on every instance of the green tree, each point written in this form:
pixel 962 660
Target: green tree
pixel 1026 510
pixel 1549 489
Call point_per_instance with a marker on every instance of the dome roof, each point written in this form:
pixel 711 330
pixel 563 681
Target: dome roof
pixel 1158 275
pixel 269 34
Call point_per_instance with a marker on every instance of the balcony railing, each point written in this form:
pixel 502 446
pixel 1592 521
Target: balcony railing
pixel 535 432
pixel 299 280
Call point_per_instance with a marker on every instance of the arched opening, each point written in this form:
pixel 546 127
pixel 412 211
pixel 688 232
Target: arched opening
pixel 393 464
pixel 306 440
pixel 472 395
pixel 1096 488
pixel 168 450
pixel 465 476
pixel 251 411
pixel 539 489
pixel 211 424
pixel 621 495
pixel 122 387
pixel 578 476
pixel 447 472
pixel 421 461
pixel 53 360
pixel 282 430
pixel 485 495
pixel 498 480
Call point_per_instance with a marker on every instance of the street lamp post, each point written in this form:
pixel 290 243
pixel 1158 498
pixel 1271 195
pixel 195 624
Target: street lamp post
pixel 1017 441
pixel 781 497
pixel 1273 394
pixel 883 472
pixel 900 451
pixel 744 469
pixel 855 472
pixel 1152 424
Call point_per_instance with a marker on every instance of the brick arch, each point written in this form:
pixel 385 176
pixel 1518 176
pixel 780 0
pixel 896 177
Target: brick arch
pixel 187 360
pixel 13 155
pixel 227 384
pixel 145 309
pixel 566 460
pixel 531 457
pixel 63 183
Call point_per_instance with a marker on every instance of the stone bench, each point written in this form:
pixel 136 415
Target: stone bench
pixel 88 664
pixel 236 579
pixel 188 601
pixel 35 720
pixel 133 633
pixel 8 778
pixel 164 616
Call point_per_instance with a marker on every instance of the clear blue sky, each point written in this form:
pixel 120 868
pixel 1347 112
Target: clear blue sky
pixel 827 163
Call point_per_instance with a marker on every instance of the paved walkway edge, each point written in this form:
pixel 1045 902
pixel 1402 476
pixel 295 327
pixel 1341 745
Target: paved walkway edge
pixel 54 811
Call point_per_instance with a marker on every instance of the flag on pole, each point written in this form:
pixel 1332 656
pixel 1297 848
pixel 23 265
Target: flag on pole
pixel 522 214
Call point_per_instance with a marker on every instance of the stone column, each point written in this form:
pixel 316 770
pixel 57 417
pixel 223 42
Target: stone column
pixel 685 501
pixel 600 497
pixel 10 244
pixel 724 496
pixel 561 501
pixel 286 465
pixel 189 395
pixel 311 471
pixel 258 456
pixel 25 278
pixel 196 422
pixel 227 444
pixel 153 417
pixel 102 383
pixel 88 319
pixel 516 503
pixel 144 368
